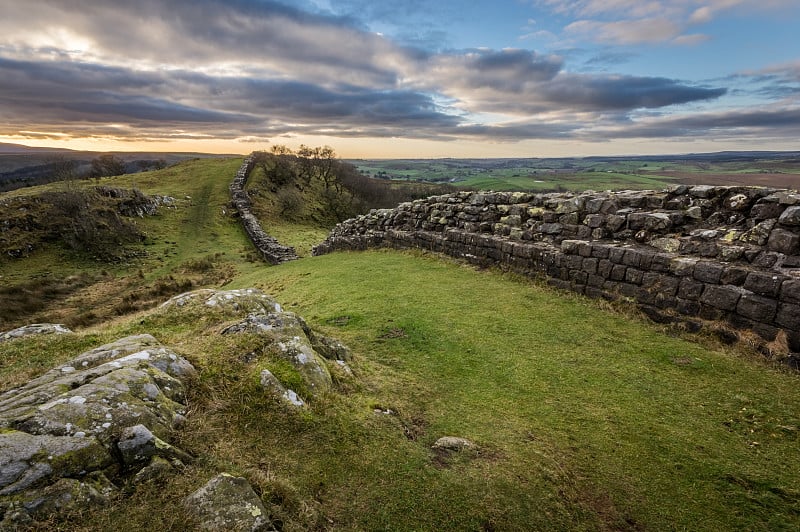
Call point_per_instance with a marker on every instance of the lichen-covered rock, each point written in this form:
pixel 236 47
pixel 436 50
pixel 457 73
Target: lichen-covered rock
pixel 132 381
pixel 34 330
pixel 69 494
pixel 61 432
pixel 156 469
pixel 453 443
pixel 288 334
pixel 237 302
pixel 137 445
pixel 271 384
pixel 297 351
pixel 29 459
pixel 228 503
pixel 331 348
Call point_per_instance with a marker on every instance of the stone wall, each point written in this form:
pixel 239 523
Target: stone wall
pixel 691 254
pixel 270 249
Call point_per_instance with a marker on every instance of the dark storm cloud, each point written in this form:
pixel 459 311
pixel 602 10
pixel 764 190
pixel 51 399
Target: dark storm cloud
pixel 778 122
pixel 609 58
pixel 49 91
pixel 625 92
pixel 512 68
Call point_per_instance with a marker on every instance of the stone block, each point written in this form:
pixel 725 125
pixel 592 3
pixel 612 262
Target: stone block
pixel 735 275
pixel 708 272
pixel 594 220
pixel 765 331
pixel 570 247
pixel 764 283
pixel 604 268
pixel 783 241
pixel 551 228
pixel 578 277
pixel 636 220
pixel 722 297
pixel 590 265
pixel 600 251
pixel 689 289
pixel 661 262
pixel 790 217
pixel 790 291
pixel 632 258
pixel 615 222
pixel 594 205
pixel 633 275
pixel 573 262
pixel 627 289
pixel 682 267
pixel 788 316
pixel 766 260
pixel 765 211
pixel 616 254
pixel 757 308
pixel 618 272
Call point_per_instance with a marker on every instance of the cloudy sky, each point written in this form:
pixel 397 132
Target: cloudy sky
pixel 403 78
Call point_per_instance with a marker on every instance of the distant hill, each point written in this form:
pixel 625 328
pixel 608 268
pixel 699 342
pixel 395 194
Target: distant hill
pixel 7 147
pixel 22 166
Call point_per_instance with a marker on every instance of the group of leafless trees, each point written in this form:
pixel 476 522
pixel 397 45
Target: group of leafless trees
pixel 341 190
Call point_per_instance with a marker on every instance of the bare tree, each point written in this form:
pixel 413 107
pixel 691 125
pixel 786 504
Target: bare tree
pixel 107 165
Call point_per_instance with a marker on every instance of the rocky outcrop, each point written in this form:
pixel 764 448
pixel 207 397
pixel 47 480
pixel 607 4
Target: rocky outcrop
pixel 66 435
pixel 228 503
pixel 285 335
pixel 729 254
pixel 70 437
pixel 133 203
pixel 270 249
pixel 34 329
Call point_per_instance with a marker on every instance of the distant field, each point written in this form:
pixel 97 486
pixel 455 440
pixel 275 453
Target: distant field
pixel 758 169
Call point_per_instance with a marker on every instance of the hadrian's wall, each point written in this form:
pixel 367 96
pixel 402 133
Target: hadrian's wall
pixel 729 254
pixel 270 249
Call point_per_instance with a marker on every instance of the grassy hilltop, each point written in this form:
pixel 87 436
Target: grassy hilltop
pixel 586 417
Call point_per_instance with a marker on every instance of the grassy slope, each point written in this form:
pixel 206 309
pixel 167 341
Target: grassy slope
pixel 586 419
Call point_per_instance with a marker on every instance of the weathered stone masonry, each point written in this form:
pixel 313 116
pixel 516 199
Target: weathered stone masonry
pixel 270 249
pixel 716 253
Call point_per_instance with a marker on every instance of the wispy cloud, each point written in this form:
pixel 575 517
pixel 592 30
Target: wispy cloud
pixel 628 22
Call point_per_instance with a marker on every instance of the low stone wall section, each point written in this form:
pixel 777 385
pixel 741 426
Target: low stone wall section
pixel 268 247
pixel 714 253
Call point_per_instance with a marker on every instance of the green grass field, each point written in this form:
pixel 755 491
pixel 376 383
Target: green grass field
pixel 576 174
pixel 587 418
